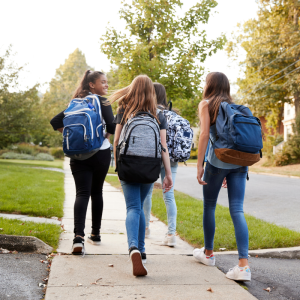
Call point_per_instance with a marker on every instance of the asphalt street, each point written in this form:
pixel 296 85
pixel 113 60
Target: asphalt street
pixel 281 275
pixel 20 275
pixel 270 198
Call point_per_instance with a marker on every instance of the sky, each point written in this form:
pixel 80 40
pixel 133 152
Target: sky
pixel 44 33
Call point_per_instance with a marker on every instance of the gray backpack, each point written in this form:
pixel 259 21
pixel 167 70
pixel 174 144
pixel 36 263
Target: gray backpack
pixel 139 150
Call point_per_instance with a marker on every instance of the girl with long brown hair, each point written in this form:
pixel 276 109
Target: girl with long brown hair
pixel 216 174
pixel 138 97
pixel 90 169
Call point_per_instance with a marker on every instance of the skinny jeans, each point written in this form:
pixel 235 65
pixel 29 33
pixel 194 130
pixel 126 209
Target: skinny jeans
pixel 89 176
pixel 169 200
pixel 135 194
pixel 236 184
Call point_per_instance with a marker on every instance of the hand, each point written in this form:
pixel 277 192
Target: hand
pixel 167 183
pixel 224 184
pixel 200 173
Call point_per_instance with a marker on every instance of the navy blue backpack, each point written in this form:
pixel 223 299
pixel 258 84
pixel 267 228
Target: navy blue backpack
pixel 239 135
pixel 83 128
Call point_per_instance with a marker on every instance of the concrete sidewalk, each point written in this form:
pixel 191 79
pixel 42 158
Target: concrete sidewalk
pixel 172 272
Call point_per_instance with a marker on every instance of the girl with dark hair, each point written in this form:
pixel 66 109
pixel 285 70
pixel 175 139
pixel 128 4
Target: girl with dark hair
pixel 218 174
pixel 90 169
pixel 169 198
pixel 139 96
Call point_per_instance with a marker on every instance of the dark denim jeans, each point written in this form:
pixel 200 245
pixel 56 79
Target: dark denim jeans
pixel 135 194
pixel 236 184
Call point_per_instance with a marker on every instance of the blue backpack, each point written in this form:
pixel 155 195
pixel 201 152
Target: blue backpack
pixel 239 135
pixel 83 128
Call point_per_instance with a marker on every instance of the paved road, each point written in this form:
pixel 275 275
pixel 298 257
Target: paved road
pixel 20 276
pixel 271 198
pixel 281 275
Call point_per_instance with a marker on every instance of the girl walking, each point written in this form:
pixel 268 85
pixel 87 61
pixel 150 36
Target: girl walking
pixel 169 199
pixel 90 171
pixel 216 174
pixel 138 97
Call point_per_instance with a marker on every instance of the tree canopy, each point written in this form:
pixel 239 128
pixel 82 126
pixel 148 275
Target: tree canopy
pixel 169 49
pixel 60 92
pixel 271 68
pixel 19 109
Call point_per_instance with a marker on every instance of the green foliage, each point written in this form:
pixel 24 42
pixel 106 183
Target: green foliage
pixel 270 42
pixel 291 150
pixel 44 156
pixel 169 49
pixel 49 233
pixel 28 148
pixel 19 111
pixel 62 87
pixel 57 152
pixel 31 191
pixel 194 153
pixel 14 155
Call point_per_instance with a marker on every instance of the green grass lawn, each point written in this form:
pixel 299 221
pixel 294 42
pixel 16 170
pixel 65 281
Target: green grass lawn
pixel 262 234
pixel 57 163
pixel 112 170
pixel 31 191
pixel 49 233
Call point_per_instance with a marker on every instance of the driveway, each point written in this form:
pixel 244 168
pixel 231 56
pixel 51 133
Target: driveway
pixel 270 198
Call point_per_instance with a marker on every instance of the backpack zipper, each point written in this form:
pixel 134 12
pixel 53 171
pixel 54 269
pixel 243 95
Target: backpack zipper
pixel 67 139
pixel 75 113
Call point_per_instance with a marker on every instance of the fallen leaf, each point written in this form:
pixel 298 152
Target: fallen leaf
pixel 111 265
pixel 222 249
pixel 15 252
pixel 210 290
pixel 79 284
pixel 268 289
pixel 96 281
pixel 256 255
pixel 45 279
pixel 42 285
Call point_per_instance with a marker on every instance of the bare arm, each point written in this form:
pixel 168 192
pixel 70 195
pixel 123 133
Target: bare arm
pixel 60 129
pixel 116 139
pixel 167 183
pixel 203 139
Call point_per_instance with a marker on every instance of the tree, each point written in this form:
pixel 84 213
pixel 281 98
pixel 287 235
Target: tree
pixel 167 48
pixel 60 92
pixel 19 111
pixel 271 74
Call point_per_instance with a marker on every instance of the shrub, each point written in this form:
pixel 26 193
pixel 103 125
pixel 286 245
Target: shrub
pixel 28 149
pixel 57 152
pixel 44 156
pixel 194 153
pixel 13 155
pixel 291 150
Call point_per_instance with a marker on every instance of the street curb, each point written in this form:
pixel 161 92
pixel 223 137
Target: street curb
pixel 289 253
pixel 24 244
pixel 275 175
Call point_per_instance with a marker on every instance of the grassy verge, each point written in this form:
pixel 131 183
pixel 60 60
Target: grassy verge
pixel 276 170
pixel 262 234
pixel 49 233
pixel 31 191
pixel 111 170
pixel 34 163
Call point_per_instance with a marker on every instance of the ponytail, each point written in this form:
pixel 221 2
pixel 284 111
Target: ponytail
pixel 84 88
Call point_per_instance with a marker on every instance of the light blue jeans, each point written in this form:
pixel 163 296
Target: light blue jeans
pixel 168 198
pixel 135 194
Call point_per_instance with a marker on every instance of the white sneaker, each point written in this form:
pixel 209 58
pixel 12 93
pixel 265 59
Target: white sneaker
pixel 138 268
pixel 147 233
pixel 200 256
pixel 169 240
pixel 239 273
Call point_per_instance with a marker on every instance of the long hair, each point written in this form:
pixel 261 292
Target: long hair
pixel 138 96
pixel 84 88
pixel 161 94
pixel 216 90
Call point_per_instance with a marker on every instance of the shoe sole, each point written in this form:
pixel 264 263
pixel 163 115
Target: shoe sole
pixel 94 243
pixel 77 249
pixel 238 279
pixel 201 262
pixel 137 264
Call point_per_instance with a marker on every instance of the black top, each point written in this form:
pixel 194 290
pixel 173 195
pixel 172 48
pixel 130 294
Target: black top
pixel 107 115
pixel 162 120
